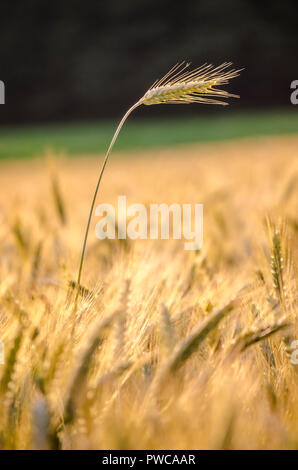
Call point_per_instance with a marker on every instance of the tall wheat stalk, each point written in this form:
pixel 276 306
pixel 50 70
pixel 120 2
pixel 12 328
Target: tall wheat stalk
pixel 177 86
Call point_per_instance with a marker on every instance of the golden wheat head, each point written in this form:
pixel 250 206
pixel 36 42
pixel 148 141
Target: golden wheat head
pixel 196 86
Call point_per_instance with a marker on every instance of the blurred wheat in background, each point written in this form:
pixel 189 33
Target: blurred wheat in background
pixel 168 349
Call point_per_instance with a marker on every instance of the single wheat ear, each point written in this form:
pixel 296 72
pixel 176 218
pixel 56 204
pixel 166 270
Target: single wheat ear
pixel 179 85
pixel 195 86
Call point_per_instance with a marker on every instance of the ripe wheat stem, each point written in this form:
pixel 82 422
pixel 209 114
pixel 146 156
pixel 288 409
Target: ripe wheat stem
pixel 177 86
pixel 95 195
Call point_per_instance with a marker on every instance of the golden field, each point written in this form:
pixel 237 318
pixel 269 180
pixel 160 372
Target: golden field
pixel 169 349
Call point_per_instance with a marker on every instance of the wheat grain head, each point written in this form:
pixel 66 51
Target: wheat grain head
pixel 195 86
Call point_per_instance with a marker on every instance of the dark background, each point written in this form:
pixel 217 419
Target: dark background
pixel 80 60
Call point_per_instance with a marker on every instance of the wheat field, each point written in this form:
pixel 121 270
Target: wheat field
pixel 169 349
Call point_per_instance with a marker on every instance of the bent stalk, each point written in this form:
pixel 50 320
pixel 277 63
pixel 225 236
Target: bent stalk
pixel 95 195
